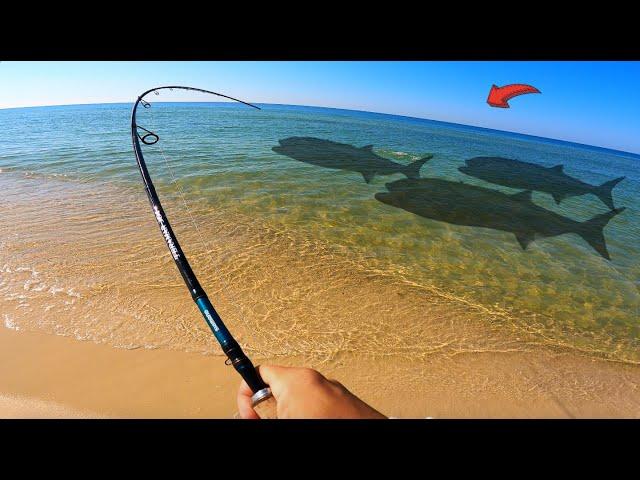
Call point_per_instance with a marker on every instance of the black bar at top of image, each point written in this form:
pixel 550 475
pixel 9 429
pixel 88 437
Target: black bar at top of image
pixel 332 35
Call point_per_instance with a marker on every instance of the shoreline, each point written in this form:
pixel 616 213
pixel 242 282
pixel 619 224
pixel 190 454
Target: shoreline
pixel 75 311
pixel 121 287
pixel 48 376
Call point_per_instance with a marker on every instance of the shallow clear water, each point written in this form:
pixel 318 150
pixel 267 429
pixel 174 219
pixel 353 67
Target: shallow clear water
pixel 222 156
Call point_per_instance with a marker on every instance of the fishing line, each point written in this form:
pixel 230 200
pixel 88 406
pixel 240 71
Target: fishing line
pixel 226 292
pixel 228 296
pixel 262 399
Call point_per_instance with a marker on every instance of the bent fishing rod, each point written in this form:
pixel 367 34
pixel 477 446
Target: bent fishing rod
pixel 263 401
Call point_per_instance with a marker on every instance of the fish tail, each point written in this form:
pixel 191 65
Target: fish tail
pixel 603 192
pixel 592 231
pixel 413 169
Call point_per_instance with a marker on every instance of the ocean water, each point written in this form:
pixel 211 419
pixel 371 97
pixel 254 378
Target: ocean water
pixel 447 234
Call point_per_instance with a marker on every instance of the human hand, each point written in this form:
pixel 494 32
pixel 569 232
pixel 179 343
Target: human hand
pixel 305 393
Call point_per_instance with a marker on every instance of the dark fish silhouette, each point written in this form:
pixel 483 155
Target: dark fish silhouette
pixel 342 156
pixel 463 204
pixel 529 176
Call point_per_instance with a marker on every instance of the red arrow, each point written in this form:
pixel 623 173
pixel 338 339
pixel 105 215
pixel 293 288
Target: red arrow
pixel 499 96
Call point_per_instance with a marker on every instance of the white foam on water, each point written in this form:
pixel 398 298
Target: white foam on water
pixel 72 293
pixel 54 290
pixel 10 323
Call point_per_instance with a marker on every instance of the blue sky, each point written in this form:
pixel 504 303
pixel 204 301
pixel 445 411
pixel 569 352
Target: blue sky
pixel 596 103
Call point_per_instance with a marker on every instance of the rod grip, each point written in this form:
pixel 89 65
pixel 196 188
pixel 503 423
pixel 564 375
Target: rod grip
pixel 243 366
pixel 264 404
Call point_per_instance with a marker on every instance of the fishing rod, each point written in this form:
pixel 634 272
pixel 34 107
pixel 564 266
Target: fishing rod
pixel 262 399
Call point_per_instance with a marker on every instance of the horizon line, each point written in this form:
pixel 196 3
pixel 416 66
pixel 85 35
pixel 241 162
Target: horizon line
pixel 571 142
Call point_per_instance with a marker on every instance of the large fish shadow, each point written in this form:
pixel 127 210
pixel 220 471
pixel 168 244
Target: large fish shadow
pixel 529 176
pixel 341 156
pixel 463 204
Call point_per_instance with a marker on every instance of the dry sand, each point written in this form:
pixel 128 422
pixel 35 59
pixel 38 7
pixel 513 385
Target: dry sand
pixel 65 378
pixel 45 376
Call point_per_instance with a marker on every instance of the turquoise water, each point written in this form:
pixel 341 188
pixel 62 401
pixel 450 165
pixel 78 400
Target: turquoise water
pixel 223 156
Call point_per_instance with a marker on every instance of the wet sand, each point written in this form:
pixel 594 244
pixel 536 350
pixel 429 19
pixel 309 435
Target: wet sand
pixel 97 323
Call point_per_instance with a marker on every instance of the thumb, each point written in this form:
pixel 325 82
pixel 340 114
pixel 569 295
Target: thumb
pixel 275 376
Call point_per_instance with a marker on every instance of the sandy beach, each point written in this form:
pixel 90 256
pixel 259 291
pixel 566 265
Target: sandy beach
pixel 45 376
pixel 49 376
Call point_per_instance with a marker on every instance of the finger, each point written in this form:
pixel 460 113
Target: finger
pixel 245 408
pixel 275 376
pixel 244 390
pixel 336 383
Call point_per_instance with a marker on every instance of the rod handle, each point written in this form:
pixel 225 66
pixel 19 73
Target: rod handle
pixel 264 404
